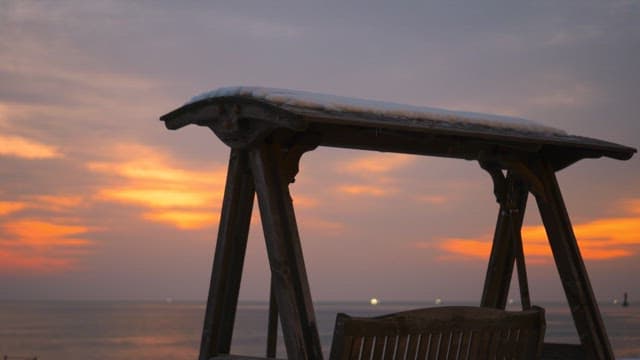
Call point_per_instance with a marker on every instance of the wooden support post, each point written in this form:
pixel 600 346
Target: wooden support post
pixel 523 282
pixel 285 253
pixel 573 274
pixel 272 327
pixel 500 269
pixel 229 257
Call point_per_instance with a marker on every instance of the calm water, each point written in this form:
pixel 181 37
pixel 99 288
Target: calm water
pixel 147 330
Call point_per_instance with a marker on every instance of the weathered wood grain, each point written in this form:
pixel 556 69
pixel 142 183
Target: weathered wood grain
pixel 229 257
pixel 214 113
pixel 453 333
pixel 575 281
pixel 513 203
pixel 285 254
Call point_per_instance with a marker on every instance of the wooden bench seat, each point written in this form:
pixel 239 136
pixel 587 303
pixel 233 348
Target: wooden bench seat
pixel 453 332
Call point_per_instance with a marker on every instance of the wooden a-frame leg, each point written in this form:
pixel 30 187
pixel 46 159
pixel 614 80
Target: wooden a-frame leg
pixel 573 274
pixel 272 324
pixel 500 269
pixel 523 282
pixel 229 257
pixel 285 254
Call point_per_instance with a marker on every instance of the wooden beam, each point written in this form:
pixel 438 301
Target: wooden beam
pixel 272 326
pixel 500 269
pixel 285 253
pixel 229 257
pixel 523 282
pixel 577 287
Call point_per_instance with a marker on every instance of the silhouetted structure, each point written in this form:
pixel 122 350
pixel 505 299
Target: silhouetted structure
pixel 461 332
pixel 268 130
pixel 625 302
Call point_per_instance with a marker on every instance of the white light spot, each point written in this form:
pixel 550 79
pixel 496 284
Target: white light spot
pixel 373 301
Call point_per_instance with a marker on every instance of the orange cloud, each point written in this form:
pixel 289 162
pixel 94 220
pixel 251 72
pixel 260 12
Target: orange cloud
pixel 613 231
pixel 465 247
pixel 37 233
pixel 632 206
pixel 41 246
pixel 182 197
pixel 175 195
pixel 325 227
pixel 601 239
pixel 56 202
pixel 366 190
pixel 25 148
pixel 187 220
pixel 8 207
pixel 432 199
pixel 372 172
pixel 303 201
pixel 35 245
pixel 11 261
pixel 376 163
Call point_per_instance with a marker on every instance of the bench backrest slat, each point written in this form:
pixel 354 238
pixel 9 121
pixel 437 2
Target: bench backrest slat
pixel 442 333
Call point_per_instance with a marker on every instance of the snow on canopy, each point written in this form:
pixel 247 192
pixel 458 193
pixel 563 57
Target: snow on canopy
pixel 334 103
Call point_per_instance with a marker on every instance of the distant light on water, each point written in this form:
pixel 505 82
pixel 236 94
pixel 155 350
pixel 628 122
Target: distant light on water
pixel 438 301
pixel 373 301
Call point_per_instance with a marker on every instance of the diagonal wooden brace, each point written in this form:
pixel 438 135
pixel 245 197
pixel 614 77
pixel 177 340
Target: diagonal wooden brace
pixel 511 194
pixel 577 287
pixel 291 286
pixel 229 257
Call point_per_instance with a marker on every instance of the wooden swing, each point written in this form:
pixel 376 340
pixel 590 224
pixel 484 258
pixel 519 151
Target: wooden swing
pixel 268 130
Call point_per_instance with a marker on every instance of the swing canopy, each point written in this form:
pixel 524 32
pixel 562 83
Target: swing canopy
pixel 382 126
pixel 268 130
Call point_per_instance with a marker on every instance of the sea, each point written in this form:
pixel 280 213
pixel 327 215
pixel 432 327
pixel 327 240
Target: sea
pixel 119 330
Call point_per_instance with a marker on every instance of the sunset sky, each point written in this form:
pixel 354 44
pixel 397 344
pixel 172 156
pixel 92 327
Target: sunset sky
pixel 99 201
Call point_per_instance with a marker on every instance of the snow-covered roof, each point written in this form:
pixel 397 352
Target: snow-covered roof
pixel 342 104
pixel 376 125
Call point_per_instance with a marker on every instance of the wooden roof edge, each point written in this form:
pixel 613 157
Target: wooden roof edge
pixel 208 111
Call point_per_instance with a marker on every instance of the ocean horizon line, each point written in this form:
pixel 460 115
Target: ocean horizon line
pixel 169 300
